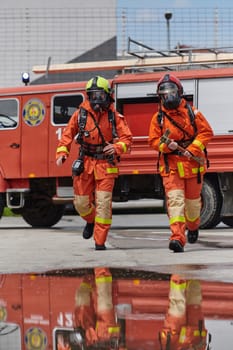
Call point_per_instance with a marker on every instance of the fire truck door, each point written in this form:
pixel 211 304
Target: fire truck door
pixel 35 140
pixel 10 138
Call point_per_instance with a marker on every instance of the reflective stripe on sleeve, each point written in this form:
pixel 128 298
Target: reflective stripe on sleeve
pixel 62 149
pixel 199 144
pixel 123 146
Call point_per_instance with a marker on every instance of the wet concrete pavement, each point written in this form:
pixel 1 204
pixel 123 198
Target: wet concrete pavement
pixel 135 241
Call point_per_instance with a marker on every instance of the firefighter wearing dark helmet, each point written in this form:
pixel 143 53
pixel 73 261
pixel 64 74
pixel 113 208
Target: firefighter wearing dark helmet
pixel 103 135
pixel 95 318
pixel 180 133
pixel 170 92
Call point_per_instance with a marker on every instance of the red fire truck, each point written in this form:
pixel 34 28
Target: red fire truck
pixel 37 310
pixel 33 117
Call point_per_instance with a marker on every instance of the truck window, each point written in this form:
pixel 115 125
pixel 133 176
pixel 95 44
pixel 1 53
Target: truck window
pixel 9 114
pixel 10 337
pixel 64 106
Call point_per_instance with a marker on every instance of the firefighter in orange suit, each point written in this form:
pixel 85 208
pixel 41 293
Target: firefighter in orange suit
pixel 94 316
pixel 180 133
pixel 103 135
pixel 184 327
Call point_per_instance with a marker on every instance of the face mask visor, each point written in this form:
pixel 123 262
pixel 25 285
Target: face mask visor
pixel 98 99
pixel 169 95
pixel 97 95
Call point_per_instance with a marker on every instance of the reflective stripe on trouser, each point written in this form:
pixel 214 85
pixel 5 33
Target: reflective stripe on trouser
pixel 84 314
pixel 106 326
pixel 194 332
pixel 94 308
pixel 176 314
pixel 175 317
pixel 183 204
pixel 184 323
pixel 98 209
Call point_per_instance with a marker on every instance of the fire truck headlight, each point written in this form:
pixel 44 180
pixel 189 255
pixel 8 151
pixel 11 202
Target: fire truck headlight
pixel 25 78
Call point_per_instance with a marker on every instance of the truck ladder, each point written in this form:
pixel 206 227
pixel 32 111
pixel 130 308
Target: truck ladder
pixel 153 59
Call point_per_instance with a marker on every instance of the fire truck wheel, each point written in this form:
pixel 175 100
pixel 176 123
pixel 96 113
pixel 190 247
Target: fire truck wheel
pixel 43 213
pixel 211 205
pixel 228 221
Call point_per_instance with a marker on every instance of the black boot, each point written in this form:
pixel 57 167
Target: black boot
pixel 88 230
pixel 192 236
pixel 100 247
pixel 176 246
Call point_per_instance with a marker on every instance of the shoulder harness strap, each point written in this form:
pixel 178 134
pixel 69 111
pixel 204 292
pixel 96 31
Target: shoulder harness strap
pixel 82 119
pixel 191 116
pixel 112 121
pixel 192 119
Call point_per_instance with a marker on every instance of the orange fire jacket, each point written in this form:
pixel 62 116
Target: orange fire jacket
pixel 177 162
pixel 121 144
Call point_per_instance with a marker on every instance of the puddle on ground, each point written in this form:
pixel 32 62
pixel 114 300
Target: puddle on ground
pixel 105 308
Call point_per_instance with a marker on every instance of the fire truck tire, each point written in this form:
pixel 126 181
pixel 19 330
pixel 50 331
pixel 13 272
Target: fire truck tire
pixel 43 213
pixel 211 205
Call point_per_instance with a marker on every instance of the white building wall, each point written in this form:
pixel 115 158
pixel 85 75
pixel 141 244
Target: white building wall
pixel 31 31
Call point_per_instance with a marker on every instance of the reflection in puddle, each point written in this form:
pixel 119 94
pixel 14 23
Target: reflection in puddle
pixel 106 308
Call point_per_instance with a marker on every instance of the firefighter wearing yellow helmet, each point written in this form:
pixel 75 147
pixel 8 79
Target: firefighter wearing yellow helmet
pixel 99 93
pixel 103 135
